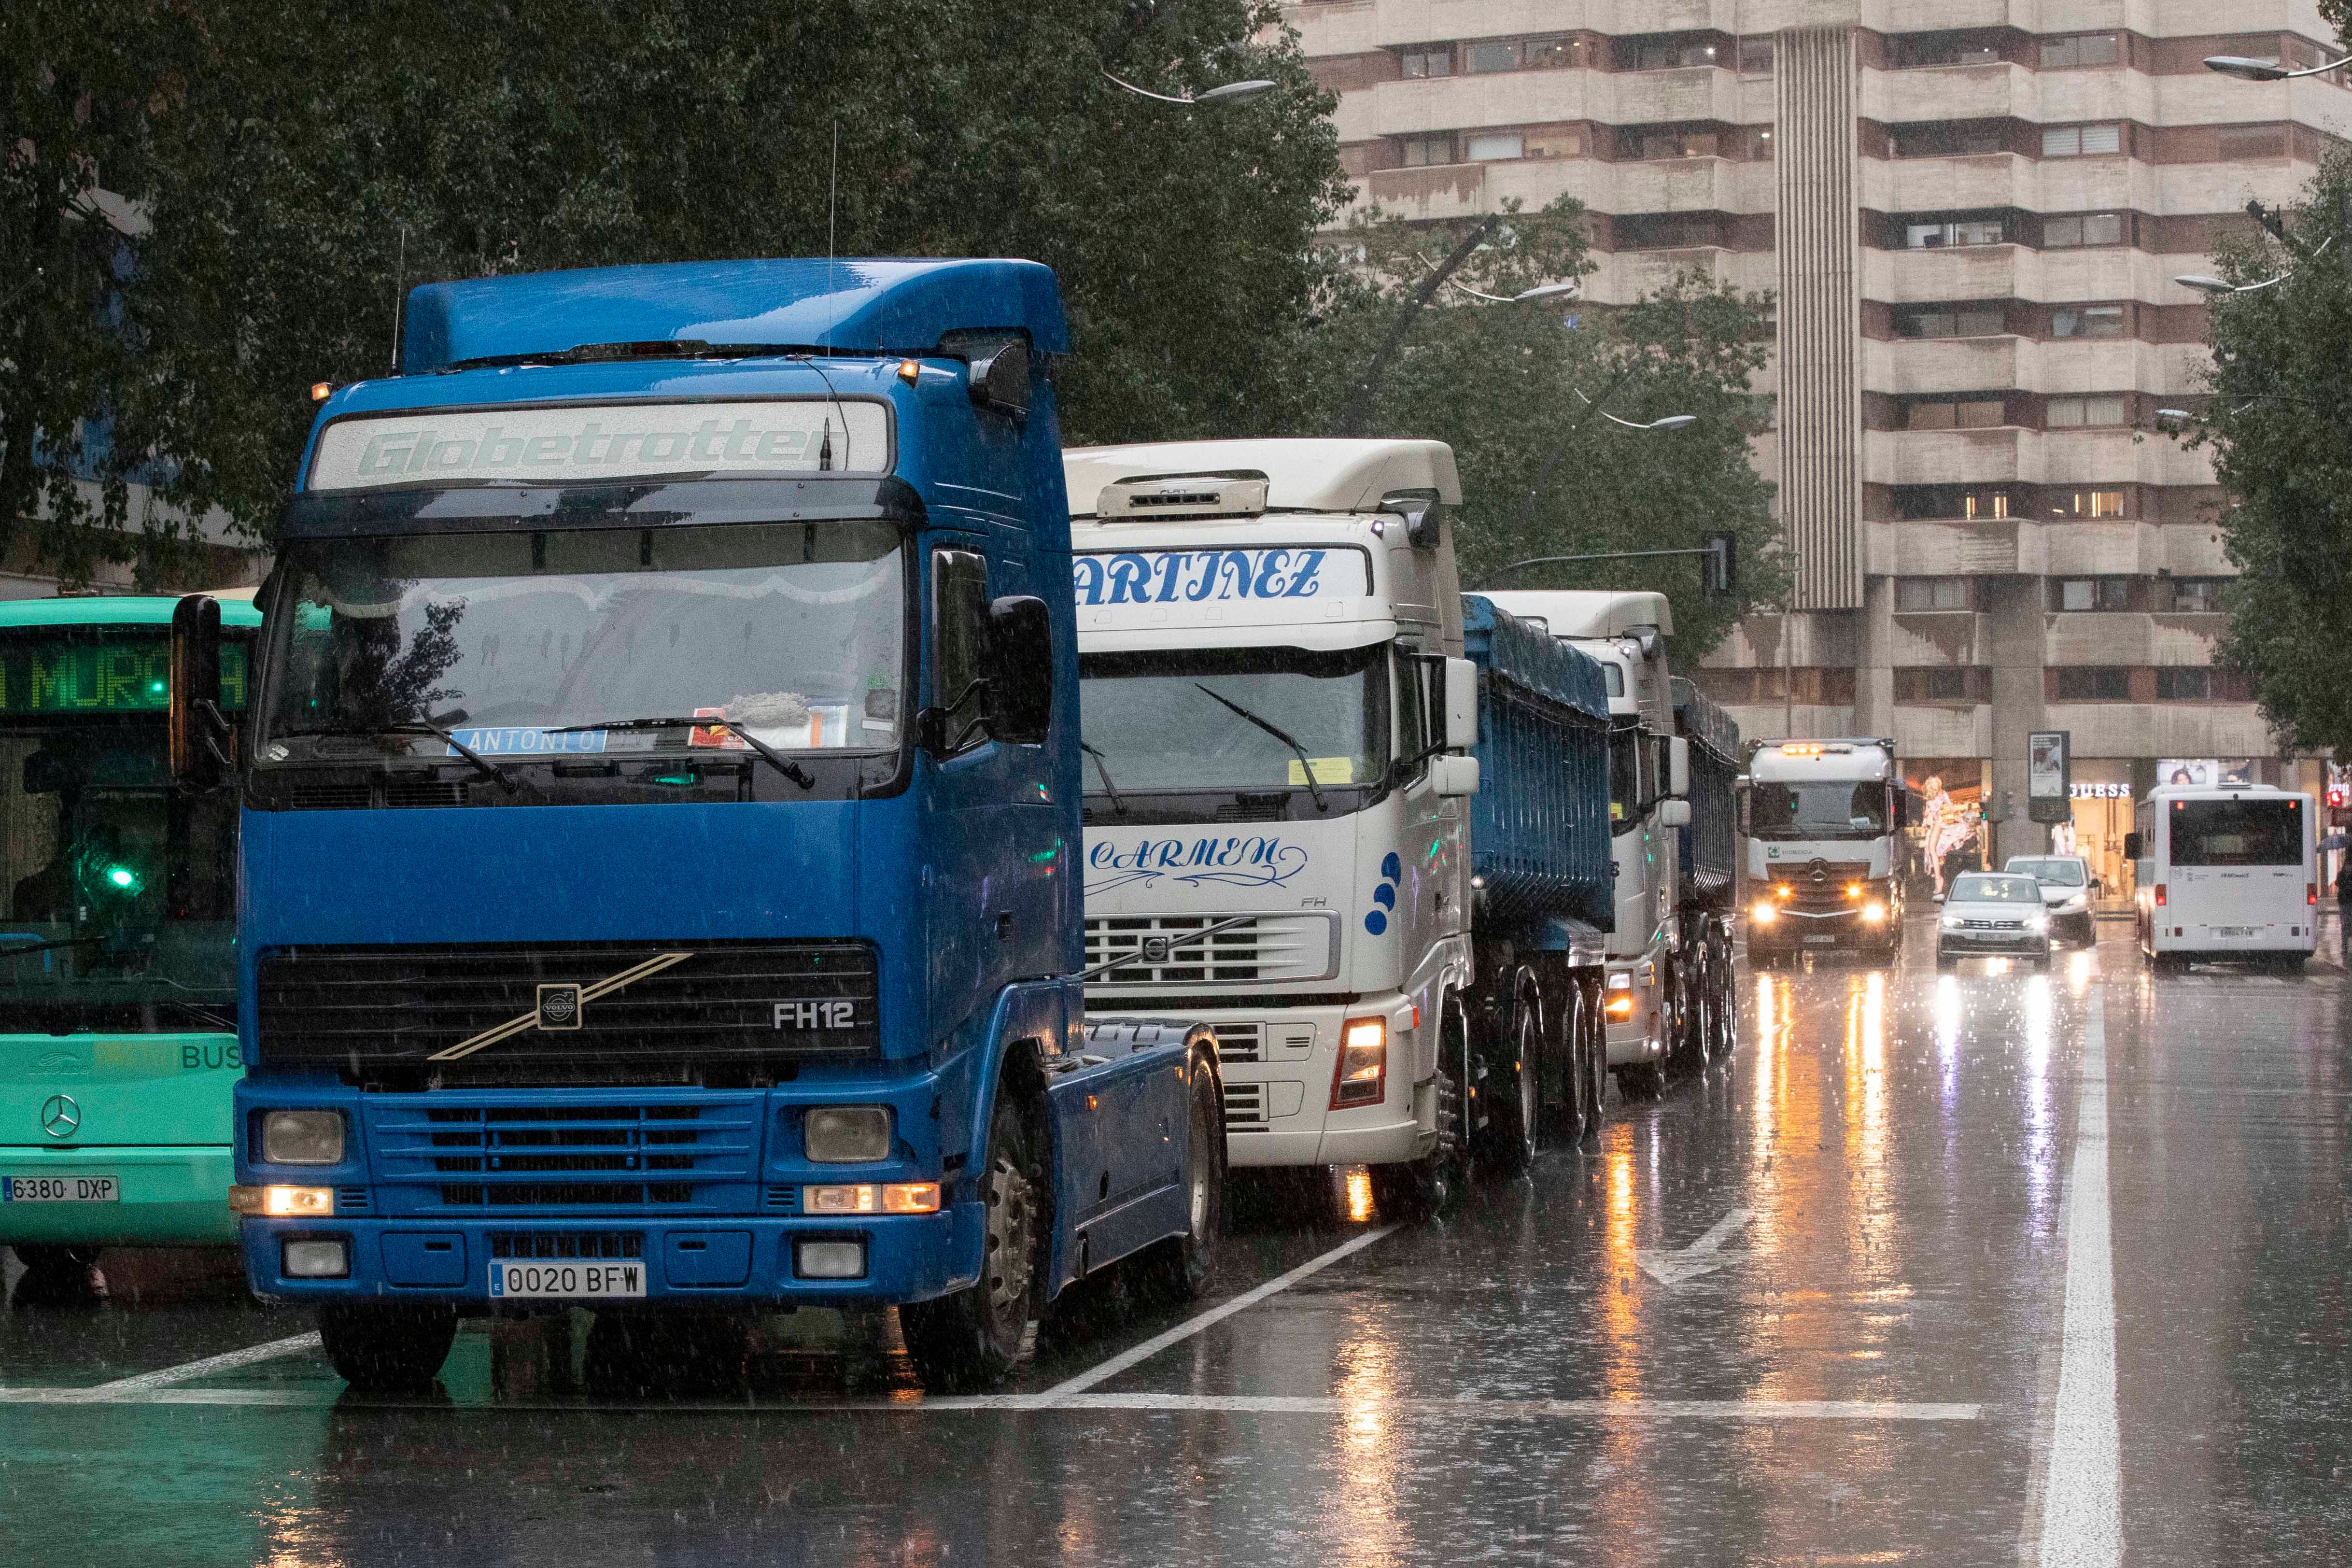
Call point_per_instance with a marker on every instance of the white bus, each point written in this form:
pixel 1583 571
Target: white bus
pixel 2226 873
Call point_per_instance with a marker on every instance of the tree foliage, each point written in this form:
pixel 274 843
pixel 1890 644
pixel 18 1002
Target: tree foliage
pixel 1522 392
pixel 301 163
pixel 2279 426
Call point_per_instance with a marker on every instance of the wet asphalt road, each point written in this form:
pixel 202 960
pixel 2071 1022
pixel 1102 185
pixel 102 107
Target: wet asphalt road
pixel 1987 1269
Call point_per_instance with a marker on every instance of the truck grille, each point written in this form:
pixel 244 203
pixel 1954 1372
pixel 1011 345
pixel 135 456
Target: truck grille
pixel 1246 1108
pixel 589 1244
pixel 368 1009
pixel 1240 1042
pixel 435 1152
pixel 1268 947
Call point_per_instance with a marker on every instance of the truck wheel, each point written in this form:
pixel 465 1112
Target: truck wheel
pixel 57 1275
pixel 386 1347
pixel 1725 1015
pixel 971 1339
pixel 1563 1111
pixel 1513 1108
pixel 1182 1267
pixel 1592 1063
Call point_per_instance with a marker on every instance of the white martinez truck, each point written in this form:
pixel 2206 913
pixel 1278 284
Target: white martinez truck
pixel 1276 705
pixel 1672 1005
pixel 1825 848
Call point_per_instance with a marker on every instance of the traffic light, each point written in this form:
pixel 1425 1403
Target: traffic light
pixel 1720 570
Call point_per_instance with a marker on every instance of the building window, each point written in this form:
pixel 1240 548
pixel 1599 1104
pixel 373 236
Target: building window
pixel 2064 413
pixel 1947 138
pixel 2190 595
pixel 1496 147
pixel 2241 142
pixel 2081 141
pixel 1985 504
pixel 1680 142
pixel 2087 321
pixel 2084 50
pixel 1756 57
pixel 1434 60
pixel 1970 323
pixel 1495 55
pixel 1959 231
pixel 1964 414
pixel 1932 593
pixel 1420 152
pixel 2093 593
pixel 1669 52
pixel 1923 50
pixel 1554 142
pixel 2183 685
pixel 2091 228
pixel 1940 683
pixel 2090 503
pixel 2095 683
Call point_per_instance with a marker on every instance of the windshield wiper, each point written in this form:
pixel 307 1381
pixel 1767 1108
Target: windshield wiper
pixel 1104 773
pixel 488 769
pixel 1306 763
pixel 766 752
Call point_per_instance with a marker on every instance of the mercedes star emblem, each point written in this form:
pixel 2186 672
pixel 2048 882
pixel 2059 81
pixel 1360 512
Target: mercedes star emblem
pixel 61 1116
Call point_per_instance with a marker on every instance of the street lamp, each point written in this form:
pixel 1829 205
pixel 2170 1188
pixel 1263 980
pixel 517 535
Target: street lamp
pixel 1670 422
pixel 2247 69
pixel 1231 92
pixel 1524 297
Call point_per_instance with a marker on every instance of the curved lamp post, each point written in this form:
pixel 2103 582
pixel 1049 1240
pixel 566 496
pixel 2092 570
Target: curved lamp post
pixel 2248 70
pixel 1541 292
pixel 1231 92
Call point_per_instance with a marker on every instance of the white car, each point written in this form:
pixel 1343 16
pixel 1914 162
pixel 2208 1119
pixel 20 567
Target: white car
pixel 2066 888
pixel 1993 914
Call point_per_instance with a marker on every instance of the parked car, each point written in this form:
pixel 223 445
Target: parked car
pixel 2066 888
pixel 1993 914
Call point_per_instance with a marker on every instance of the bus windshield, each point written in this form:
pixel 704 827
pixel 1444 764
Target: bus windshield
pixel 2237 832
pixel 1830 809
pixel 121 890
pixel 795 632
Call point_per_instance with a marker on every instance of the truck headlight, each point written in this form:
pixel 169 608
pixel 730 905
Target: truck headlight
pixel 315 1257
pixel 846 1134
pixel 302 1138
pixel 1360 1078
pixel 1764 914
pixel 283 1203
pixel 894 1197
pixel 1873 913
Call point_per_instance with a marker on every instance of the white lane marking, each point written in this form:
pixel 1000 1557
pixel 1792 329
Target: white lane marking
pixel 123 1387
pixel 1190 1326
pixel 1701 1257
pixel 2082 1494
pixel 1452 1411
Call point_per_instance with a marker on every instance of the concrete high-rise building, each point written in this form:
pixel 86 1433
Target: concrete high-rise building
pixel 1970 214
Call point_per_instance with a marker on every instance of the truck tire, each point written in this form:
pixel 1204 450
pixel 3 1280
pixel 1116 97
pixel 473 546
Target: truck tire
pixel 1514 1108
pixel 971 1339
pixel 387 1347
pixel 1592 1061
pixel 1725 1016
pixel 1418 1188
pixel 58 1274
pixel 1181 1268
pixel 1563 1097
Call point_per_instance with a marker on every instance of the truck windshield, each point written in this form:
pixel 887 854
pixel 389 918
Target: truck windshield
pixel 2237 832
pixel 1829 809
pixel 1154 721
pixel 795 632
pixel 121 890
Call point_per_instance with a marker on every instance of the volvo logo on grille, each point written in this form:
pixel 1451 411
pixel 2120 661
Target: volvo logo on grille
pixel 60 1116
pixel 559 1006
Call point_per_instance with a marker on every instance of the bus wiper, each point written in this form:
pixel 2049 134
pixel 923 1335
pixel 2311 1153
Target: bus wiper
pixel 766 752
pixel 1104 773
pixel 1306 763
pixel 489 768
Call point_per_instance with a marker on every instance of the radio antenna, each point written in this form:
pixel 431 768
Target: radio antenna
pixel 399 279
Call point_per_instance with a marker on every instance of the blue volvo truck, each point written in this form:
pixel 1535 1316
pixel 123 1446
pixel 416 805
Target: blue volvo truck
pixel 660 819
pixel 1542 892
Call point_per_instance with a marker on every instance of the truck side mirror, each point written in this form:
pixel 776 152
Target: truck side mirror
pixel 2131 847
pixel 1461 706
pixel 1453 777
pixel 1001 381
pixel 1674 814
pixel 1020 670
pixel 1678 767
pixel 197 731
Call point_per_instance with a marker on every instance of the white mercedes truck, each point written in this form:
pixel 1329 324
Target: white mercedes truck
pixel 1825 848
pixel 1275 706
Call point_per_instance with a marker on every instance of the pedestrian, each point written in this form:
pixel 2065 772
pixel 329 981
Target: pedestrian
pixel 2344 904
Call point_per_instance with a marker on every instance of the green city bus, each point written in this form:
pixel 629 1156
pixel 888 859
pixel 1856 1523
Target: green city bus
pixel 118 976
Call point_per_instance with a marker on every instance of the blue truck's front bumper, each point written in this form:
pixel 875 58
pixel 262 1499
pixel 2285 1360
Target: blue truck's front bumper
pixel 729 1258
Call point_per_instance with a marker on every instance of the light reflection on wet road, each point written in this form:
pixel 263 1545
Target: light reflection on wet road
pixel 1804 1312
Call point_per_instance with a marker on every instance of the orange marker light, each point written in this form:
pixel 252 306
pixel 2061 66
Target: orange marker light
pixel 321 390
